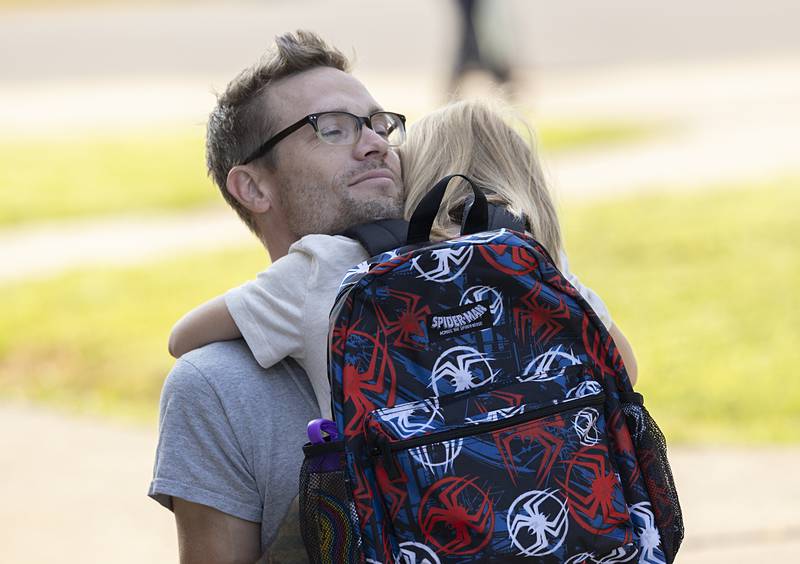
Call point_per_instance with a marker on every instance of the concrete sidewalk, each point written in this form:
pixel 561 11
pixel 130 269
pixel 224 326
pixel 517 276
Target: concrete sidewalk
pixel 74 490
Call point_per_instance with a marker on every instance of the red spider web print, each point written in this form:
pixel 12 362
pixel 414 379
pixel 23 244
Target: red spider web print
pixel 537 432
pixel 362 495
pixel 590 486
pixel 623 445
pixel 377 379
pixel 532 317
pixel 410 323
pixel 657 487
pixel 393 490
pixel 560 283
pixel 524 262
pixel 456 516
pixel 598 348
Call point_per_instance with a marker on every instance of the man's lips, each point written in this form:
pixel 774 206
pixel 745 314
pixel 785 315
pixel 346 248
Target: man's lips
pixel 369 175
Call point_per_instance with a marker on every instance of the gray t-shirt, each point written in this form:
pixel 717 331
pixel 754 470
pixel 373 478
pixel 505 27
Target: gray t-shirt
pixel 231 436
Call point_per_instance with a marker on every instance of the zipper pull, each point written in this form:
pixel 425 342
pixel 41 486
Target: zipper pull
pixel 384 450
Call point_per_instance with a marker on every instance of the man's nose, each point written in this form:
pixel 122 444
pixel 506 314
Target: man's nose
pixel 370 144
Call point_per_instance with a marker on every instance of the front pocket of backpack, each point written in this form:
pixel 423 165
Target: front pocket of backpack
pixel 517 484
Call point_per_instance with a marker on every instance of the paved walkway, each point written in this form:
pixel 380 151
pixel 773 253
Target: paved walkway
pixel 73 491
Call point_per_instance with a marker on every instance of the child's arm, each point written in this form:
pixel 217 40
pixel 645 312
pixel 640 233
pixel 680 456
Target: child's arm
pixel 626 351
pixel 207 323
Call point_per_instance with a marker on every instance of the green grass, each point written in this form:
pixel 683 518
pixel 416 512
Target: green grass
pixel 567 136
pixel 90 175
pixel 49 178
pixel 704 285
pixel 95 340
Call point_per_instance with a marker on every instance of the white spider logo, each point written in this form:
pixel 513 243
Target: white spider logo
pixel 617 556
pixel 644 524
pixel 450 263
pixel 463 368
pixel 481 293
pixel 438 455
pixel 409 420
pixel 496 415
pixel 537 522
pixel 546 366
pixel 585 425
pixel 484 237
pixel 416 553
pixel 587 388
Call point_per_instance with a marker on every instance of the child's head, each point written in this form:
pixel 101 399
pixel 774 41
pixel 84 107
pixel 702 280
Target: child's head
pixel 474 139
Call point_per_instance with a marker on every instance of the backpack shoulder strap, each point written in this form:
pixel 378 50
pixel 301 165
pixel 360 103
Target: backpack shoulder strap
pixel 379 236
pixel 500 217
pixel 386 234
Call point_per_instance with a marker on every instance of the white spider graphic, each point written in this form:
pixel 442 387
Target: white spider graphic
pixel 585 425
pixel 587 388
pixel 409 420
pixel 481 293
pixel 546 366
pixel 617 556
pixel 463 368
pixel 438 455
pixel 484 237
pixel 450 263
pixel 416 553
pixel 645 530
pixel 537 522
pixel 496 415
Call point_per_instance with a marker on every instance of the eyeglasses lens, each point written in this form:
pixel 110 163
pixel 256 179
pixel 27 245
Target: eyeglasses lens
pixel 338 128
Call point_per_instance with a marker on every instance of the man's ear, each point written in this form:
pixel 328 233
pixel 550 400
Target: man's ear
pixel 251 189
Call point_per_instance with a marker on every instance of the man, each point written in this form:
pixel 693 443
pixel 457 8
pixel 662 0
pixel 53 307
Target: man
pixel 230 432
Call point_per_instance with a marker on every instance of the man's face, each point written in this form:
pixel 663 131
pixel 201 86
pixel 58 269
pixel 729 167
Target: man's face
pixel 327 188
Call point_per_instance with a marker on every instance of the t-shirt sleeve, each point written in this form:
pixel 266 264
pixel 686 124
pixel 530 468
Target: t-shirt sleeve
pixel 199 457
pixel 597 303
pixel 269 311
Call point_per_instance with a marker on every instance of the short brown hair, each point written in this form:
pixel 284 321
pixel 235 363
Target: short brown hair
pixel 239 123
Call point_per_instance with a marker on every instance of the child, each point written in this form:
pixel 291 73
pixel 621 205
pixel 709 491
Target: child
pixel 284 312
pixel 475 139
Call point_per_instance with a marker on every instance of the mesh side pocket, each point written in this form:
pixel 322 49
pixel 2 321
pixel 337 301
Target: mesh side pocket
pixel 328 519
pixel 651 451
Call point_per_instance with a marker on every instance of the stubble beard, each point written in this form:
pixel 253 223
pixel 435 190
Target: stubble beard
pixel 332 208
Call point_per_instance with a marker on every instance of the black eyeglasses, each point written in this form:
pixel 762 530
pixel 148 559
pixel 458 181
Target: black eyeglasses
pixel 341 128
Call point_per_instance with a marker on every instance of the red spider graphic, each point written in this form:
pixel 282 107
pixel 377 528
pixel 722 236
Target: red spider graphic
pixel 522 259
pixel 592 490
pixel 374 379
pixel 362 495
pixel 658 489
pixel 563 285
pixel 538 316
pixel 530 433
pixel 598 348
pixel 459 518
pixel 339 337
pixel 410 323
pixel 505 400
pixel 623 446
pixel 396 495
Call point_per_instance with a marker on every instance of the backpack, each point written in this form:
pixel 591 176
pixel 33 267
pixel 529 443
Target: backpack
pixel 482 413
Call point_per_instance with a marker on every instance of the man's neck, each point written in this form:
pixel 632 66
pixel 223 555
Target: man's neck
pixel 278 245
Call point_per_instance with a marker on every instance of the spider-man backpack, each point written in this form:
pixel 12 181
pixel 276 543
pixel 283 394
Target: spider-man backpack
pixel 483 413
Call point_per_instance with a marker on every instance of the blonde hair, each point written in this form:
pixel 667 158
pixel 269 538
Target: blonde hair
pixel 474 138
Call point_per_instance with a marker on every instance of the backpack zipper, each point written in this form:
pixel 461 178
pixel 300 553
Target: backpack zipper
pixel 383 447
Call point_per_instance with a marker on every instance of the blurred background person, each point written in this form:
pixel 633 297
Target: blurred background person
pixel 484 46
